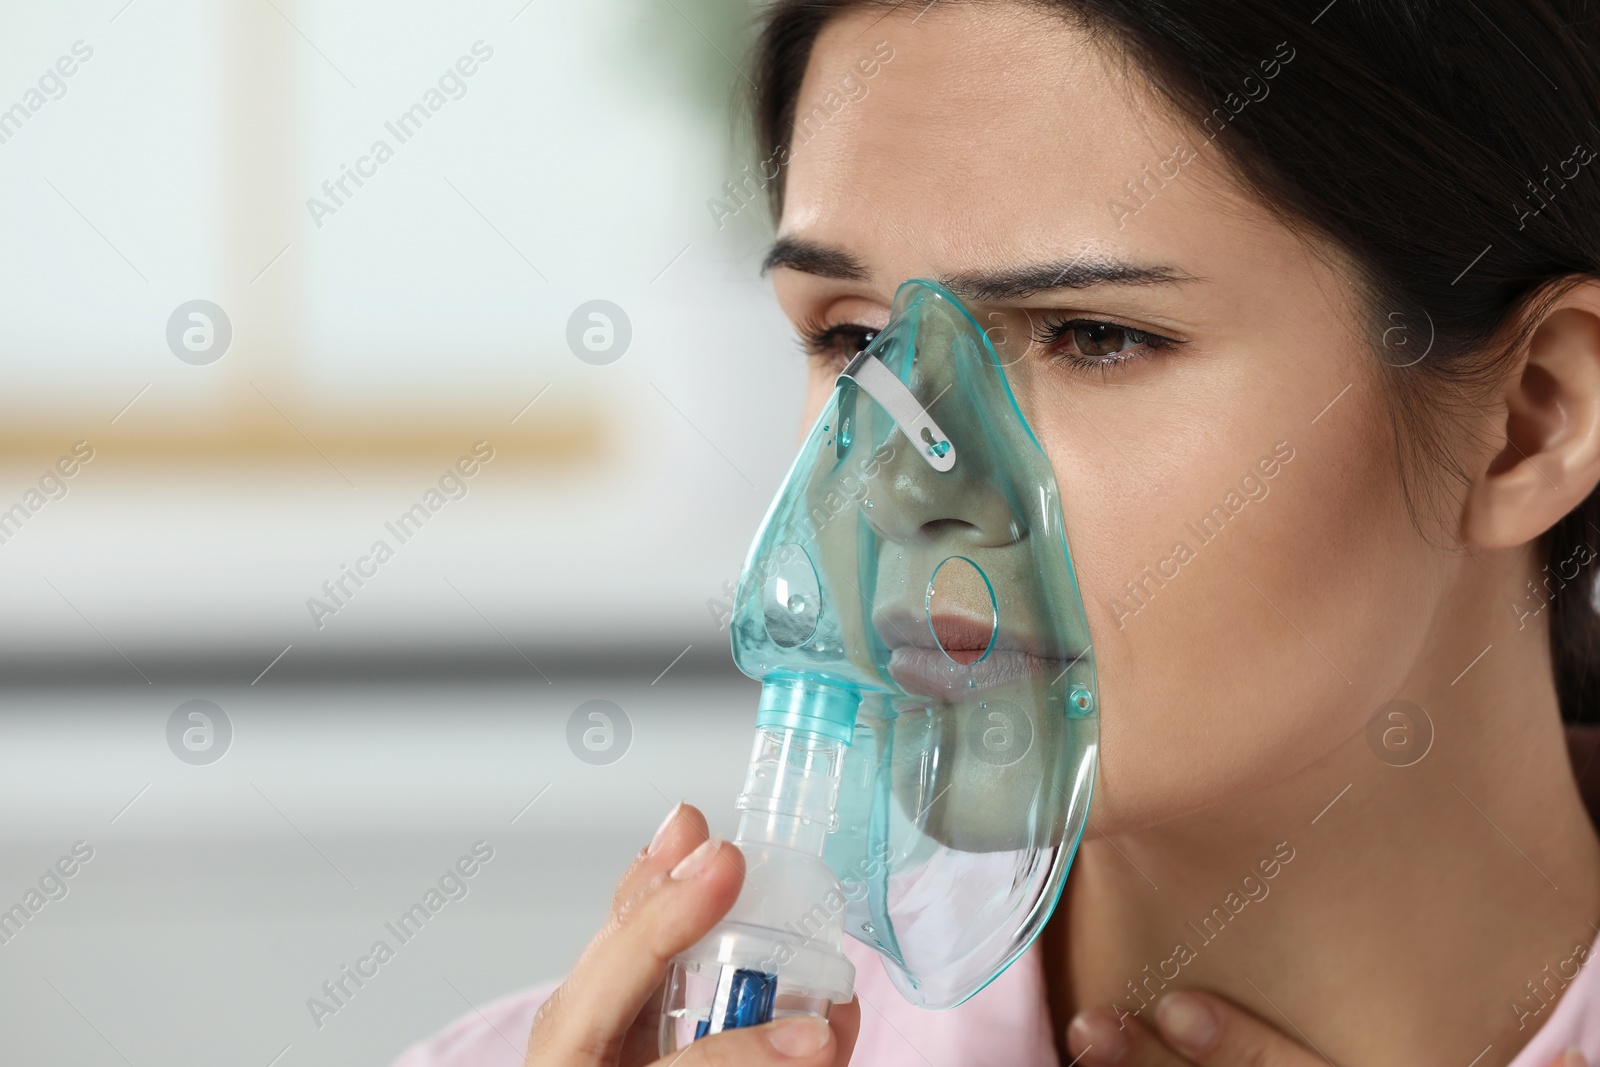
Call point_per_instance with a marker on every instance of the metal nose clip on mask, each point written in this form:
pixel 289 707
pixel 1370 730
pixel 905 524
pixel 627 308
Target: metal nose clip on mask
pixel 926 736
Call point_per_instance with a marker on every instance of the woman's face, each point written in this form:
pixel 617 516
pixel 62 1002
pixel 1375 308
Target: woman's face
pixel 1253 583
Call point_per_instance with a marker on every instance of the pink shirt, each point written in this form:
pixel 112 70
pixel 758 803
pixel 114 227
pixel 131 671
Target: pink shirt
pixel 1006 1025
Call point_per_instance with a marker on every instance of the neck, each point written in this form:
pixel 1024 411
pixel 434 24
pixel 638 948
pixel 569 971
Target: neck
pixel 1437 903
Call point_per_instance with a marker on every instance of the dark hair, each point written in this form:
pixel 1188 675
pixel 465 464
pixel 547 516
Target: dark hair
pixel 1431 140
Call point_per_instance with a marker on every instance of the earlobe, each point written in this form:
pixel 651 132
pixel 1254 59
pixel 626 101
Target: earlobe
pixel 1547 428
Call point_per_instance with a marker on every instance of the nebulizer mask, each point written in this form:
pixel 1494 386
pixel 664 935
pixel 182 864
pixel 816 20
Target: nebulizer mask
pixel 928 721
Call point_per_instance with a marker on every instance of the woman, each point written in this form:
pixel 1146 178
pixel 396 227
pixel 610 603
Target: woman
pixel 1307 300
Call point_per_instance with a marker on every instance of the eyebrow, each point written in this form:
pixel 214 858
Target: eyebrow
pixel 1009 284
pixel 810 258
pixel 1080 273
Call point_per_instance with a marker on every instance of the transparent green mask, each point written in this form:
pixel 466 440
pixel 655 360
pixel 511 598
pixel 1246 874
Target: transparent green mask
pixel 928 720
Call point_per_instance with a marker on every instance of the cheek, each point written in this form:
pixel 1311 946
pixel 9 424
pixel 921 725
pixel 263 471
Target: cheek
pixel 819 388
pixel 1239 640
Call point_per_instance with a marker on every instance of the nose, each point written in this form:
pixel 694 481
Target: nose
pixel 964 506
pixel 908 498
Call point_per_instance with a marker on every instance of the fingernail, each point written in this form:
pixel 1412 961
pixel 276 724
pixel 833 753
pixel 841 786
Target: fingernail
pixel 1187 1021
pixel 1574 1058
pixel 661 831
pixel 1094 1037
pixel 696 861
pixel 800 1036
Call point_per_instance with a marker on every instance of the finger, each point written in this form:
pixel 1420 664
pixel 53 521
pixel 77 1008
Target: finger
pixel 1210 1030
pixel 802 1041
pixel 642 1041
pixel 1573 1057
pixel 679 834
pixel 1100 1037
pixel 588 1016
pixel 845 1021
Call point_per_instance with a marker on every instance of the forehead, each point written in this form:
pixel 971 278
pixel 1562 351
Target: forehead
pixel 990 131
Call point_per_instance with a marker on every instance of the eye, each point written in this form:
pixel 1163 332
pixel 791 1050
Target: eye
pixel 1097 345
pixel 834 346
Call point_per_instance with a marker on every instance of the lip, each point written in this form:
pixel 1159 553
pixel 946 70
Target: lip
pixel 950 665
pixel 929 672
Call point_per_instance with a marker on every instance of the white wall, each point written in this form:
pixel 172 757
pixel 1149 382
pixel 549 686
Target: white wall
pixel 188 146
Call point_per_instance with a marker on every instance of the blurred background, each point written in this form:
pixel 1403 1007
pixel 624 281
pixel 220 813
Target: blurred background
pixel 287 280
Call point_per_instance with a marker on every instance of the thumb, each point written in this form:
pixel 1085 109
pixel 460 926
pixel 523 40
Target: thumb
pixel 1213 1032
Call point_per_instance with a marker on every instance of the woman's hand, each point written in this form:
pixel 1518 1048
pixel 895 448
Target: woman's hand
pixel 606 1013
pixel 1201 1029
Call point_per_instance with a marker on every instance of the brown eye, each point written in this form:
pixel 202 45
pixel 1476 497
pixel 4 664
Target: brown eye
pixel 837 345
pixel 1096 344
pixel 1104 338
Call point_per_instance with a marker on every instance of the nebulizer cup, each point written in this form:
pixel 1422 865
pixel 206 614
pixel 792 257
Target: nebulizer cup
pixel 780 950
pixel 928 721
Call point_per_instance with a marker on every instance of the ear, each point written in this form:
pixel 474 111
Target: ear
pixel 1547 428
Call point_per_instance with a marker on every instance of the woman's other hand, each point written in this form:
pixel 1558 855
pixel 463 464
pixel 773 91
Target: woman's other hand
pixel 606 1013
pixel 1200 1029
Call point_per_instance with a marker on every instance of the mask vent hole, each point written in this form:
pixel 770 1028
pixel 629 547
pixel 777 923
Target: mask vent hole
pixel 962 615
pixel 791 600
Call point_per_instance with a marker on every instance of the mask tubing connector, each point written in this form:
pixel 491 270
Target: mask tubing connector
pixel 793 702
